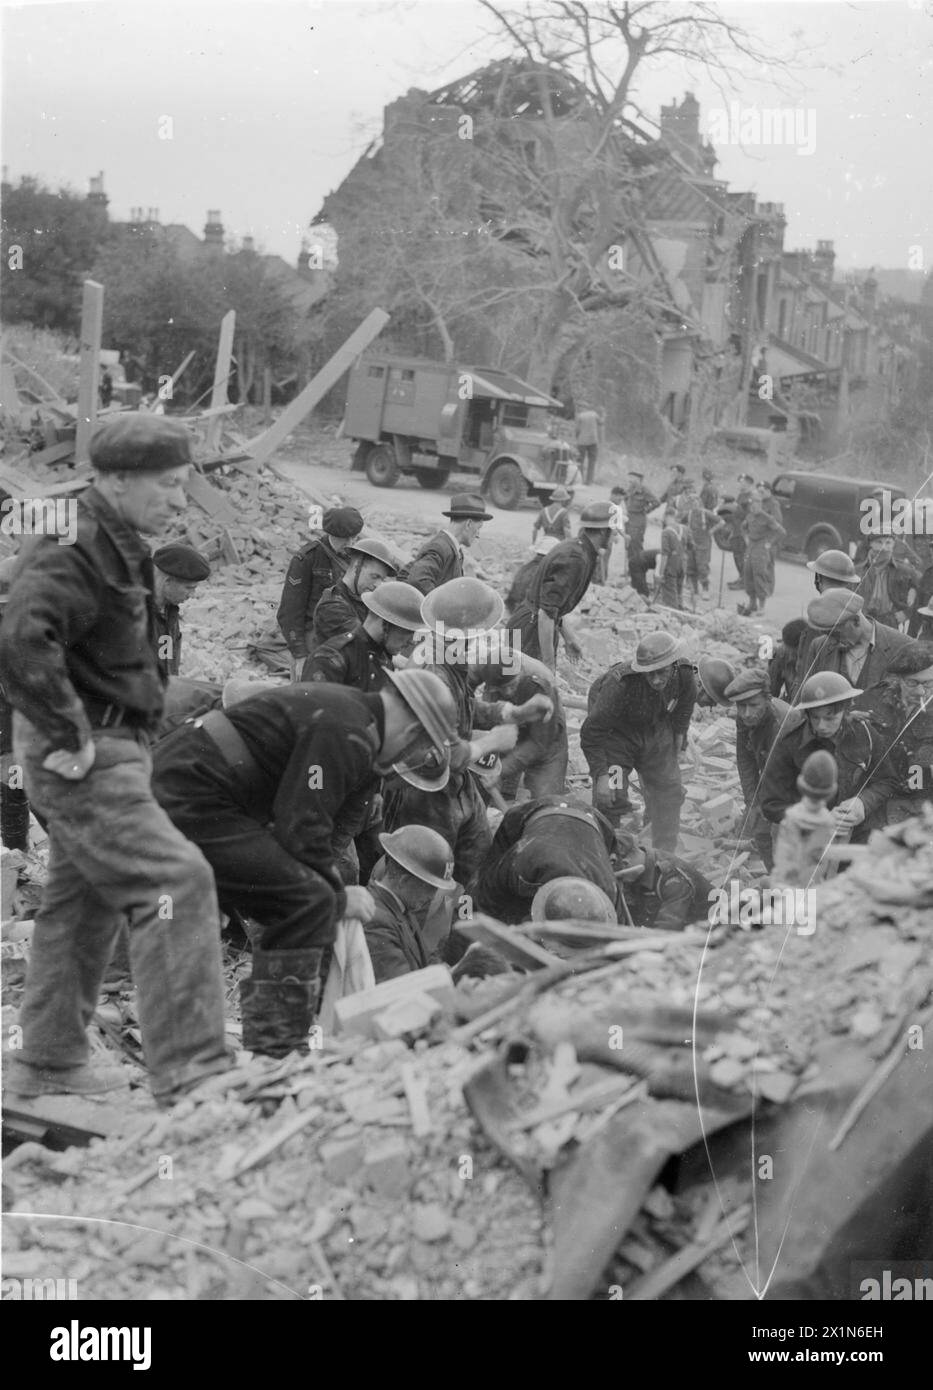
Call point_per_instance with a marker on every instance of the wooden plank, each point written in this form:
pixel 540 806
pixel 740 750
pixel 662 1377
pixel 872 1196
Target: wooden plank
pixel 221 376
pixel 92 318
pixel 511 944
pixel 62 1120
pixel 56 396
pixel 53 454
pixel 211 499
pixel 265 444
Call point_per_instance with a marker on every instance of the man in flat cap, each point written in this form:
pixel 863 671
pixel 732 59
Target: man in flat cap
pixel 849 642
pixel 639 501
pixel 179 569
pixel 78 663
pixel 441 558
pixel 760 719
pixel 317 566
pixel 740 513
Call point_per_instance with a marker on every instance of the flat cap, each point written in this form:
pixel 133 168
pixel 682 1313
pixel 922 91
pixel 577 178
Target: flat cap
pixel 342 522
pixel 833 607
pixel 182 562
pixel 140 444
pixel 467 506
pixel 747 685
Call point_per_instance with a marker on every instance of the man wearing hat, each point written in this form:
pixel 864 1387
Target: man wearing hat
pixel 562 580
pixel 676 486
pixel 639 501
pixel 660 890
pixel 739 517
pixel 639 714
pixel 832 569
pixel 709 492
pixel 78 663
pixel 760 720
pixel 887 585
pixel 361 656
pixel 762 533
pixel 849 642
pixel 370 561
pixel 418 864
pixel 554 519
pixel 441 558
pixel 179 569
pixel 867 773
pixel 318 565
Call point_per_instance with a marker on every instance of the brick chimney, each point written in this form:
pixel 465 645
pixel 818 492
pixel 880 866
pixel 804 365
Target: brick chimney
pixel 97 197
pixel 213 231
pixel 824 259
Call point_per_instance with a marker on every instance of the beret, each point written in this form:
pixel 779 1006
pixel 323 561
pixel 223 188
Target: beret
pixel 140 443
pixel 747 684
pixel 182 562
pixel 342 522
pixel 833 607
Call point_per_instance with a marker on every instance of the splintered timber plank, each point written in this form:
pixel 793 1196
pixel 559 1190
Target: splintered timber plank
pixel 221 377
pixel 211 499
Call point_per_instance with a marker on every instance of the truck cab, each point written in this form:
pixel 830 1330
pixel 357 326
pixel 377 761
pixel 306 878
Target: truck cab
pixel 822 511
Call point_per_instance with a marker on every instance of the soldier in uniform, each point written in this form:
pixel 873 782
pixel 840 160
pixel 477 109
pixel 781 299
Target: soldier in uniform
pixel 660 890
pixel 867 772
pixel 672 562
pixel 762 533
pixel 760 720
pixel 370 561
pixel 262 788
pixel 700 522
pixel 441 558
pixel 546 838
pixel 739 517
pixel 317 566
pixel 78 664
pixel 709 492
pixel 563 579
pixel 178 569
pixel 676 485
pixel 418 864
pixel 639 717
pixel 554 519
pixel 639 501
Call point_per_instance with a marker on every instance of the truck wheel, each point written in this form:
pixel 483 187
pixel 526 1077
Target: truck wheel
pixel 432 477
pixel 507 487
pixel 382 468
pixel 824 539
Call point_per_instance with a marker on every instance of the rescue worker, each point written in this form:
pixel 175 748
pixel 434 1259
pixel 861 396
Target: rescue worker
pixel 639 717
pixel 849 642
pixel 554 519
pixel 887 586
pixel 186 699
pixel 318 565
pixel 761 532
pixel 178 570
pixel 545 838
pixel 676 486
pixel 462 606
pixel 571 898
pixel 739 516
pixel 638 567
pixel 563 579
pixel 709 492
pixel 441 558
pixel 901 709
pixel 639 501
pixel 867 774
pixel 341 607
pixel 524 575
pixel 418 864
pixel 760 719
pixel 700 522
pixel 660 890
pixel 672 562
pixel 361 656
pixel 539 758
pixel 263 788
pixel 832 569
pixel 78 663
pixel 782 668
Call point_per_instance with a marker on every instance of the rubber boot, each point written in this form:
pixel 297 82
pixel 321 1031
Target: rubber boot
pixel 279 1003
pixel 14 817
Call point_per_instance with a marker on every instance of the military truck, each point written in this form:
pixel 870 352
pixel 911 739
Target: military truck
pixel 414 417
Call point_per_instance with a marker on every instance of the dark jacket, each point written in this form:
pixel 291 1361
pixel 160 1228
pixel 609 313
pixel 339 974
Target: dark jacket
pixel 350 658
pixel 522 581
pixel 560 583
pixel 825 655
pixel 438 560
pixel 897 580
pixel 337 611
pixel 863 769
pixel 78 641
pixel 639 501
pixel 782 671
pixel 753 747
pixel 622 703
pixel 535 741
pixel 316 567
pixel 393 935
pixel 670 893
pixel 168 639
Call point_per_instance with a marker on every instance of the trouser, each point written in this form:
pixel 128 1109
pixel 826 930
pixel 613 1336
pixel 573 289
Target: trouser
pixel 652 754
pixel 457 813
pixel 738 554
pixel 672 589
pixel 544 769
pixel 756 575
pixel 698 559
pixel 293 903
pixel 638 567
pixel 524 622
pixel 635 535
pixel 589 453
pixel 115 855
pixel 14 804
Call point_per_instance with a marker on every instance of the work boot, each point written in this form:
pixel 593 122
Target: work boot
pixel 23 1079
pixel 736 584
pixel 279 1003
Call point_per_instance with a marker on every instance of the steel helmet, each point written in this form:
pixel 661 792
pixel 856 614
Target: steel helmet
pixel 715 674
pixel 396 603
pixel 598 516
pixel 462 605
pixel 568 898
pixel 560 494
pixel 818 776
pixel 422 852
pixel 825 688
pixel 376 549
pixel 654 652
pixel 423 765
pixel 430 700
pixel 834 564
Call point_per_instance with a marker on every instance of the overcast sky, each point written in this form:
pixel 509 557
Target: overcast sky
pixel 271 103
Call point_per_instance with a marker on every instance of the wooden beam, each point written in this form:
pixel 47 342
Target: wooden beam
pixel 211 499
pixel 56 395
pixel 221 376
pixel 265 444
pixel 92 318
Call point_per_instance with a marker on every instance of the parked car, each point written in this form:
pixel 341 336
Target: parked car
pixel 823 512
pixel 428 419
